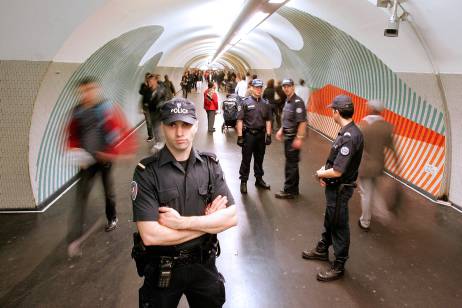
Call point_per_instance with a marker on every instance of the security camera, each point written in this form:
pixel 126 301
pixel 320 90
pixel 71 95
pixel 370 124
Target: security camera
pixel 392 28
pixel 393 22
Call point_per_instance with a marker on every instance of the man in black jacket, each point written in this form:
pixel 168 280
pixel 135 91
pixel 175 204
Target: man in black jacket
pixel 146 92
pixel 157 100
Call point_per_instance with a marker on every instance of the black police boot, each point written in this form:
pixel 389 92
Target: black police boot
pixel 260 183
pixel 284 195
pixel 335 272
pixel 243 187
pixel 315 254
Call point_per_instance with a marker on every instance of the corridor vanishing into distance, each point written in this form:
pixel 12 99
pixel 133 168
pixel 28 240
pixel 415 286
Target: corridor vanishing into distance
pixel 410 261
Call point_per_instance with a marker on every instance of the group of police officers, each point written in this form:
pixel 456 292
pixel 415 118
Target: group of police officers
pixel 181 200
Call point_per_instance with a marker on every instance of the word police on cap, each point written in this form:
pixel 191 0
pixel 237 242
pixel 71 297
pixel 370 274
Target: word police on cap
pixel 178 109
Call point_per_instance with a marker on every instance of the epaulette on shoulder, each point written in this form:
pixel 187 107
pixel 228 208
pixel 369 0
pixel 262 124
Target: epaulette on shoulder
pixel 146 161
pixel 213 156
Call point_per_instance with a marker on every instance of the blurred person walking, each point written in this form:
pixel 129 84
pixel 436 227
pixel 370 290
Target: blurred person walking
pixel 93 131
pixel 145 92
pixel 303 91
pixel 270 95
pixel 241 87
pixel 158 98
pixel 169 87
pixel 378 136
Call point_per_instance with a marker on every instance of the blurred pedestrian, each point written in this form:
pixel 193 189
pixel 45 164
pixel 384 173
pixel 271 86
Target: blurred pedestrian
pixel 93 131
pixel 145 92
pixel 158 98
pixel 378 136
pixel 303 91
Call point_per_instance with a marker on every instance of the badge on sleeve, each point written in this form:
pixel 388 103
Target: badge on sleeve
pixel 345 151
pixel 134 190
pixel 298 110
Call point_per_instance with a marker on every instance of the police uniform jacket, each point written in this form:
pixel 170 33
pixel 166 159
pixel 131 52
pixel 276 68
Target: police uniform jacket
pixel 160 180
pixel 294 112
pixel 254 113
pixel 345 154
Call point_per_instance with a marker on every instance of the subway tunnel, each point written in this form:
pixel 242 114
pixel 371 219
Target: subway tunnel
pixel 337 47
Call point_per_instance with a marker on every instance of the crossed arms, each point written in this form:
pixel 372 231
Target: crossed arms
pixel 172 228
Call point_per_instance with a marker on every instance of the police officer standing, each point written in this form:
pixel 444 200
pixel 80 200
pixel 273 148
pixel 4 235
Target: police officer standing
pixel 293 131
pixel 338 176
pixel 180 202
pixel 254 134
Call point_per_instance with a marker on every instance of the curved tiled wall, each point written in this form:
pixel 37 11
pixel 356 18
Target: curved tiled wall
pixel 116 66
pixel 331 57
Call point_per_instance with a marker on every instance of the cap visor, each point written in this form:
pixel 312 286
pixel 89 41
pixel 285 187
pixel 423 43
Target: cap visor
pixel 182 118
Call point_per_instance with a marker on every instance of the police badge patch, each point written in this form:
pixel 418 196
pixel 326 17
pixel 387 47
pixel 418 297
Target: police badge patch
pixel 134 190
pixel 345 151
pixel 298 110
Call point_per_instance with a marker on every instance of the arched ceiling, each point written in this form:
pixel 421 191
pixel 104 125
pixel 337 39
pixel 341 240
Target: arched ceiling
pixel 72 31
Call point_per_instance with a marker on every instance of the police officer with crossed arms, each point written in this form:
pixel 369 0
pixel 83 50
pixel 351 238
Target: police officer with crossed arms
pixel 180 202
pixel 338 176
pixel 254 134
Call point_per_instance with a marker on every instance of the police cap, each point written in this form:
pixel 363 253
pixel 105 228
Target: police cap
pixel 341 102
pixel 178 109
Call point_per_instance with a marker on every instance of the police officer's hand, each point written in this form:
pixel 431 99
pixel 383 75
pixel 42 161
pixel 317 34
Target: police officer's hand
pixel 279 135
pixel 268 139
pixel 219 203
pixel 170 218
pixel 240 141
pixel 297 143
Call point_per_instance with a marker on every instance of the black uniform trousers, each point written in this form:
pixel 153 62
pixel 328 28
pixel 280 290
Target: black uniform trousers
pixel 77 218
pixel 336 226
pixel 254 144
pixel 292 176
pixel 202 284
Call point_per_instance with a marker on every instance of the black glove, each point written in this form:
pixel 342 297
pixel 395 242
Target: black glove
pixel 268 140
pixel 240 141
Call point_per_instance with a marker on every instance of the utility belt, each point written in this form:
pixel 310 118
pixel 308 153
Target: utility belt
pixel 197 251
pixel 290 132
pixel 254 131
